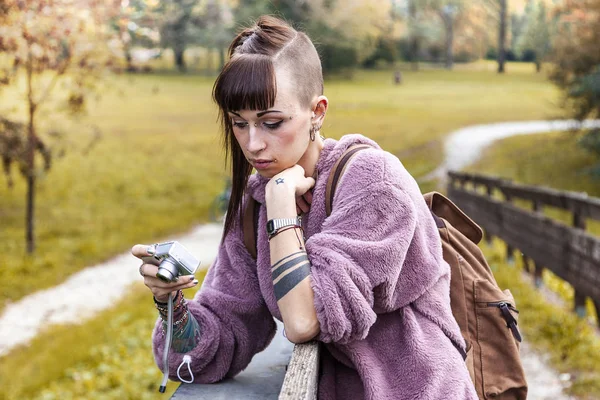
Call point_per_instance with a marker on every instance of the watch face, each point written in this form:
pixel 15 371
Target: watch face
pixel 270 226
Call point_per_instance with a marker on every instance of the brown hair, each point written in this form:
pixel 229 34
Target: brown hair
pixel 247 82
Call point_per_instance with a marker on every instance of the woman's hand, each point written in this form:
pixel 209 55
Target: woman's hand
pixel 149 268
pixel 288 192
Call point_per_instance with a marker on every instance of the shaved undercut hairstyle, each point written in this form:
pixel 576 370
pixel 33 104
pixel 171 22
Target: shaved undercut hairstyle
pixel 247 82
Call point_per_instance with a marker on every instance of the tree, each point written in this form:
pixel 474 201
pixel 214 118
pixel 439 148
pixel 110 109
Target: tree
pixel 176 29
pixel 537 36
pixel 50 42
pixel 136 24
pixel 449 12
pixel 576 57
pixel 502 35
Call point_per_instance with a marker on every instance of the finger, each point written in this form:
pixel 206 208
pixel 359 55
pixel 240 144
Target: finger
pixel 163 293
pixel 141 250
pixel 298 210
pixel 308 196
pixel 302 204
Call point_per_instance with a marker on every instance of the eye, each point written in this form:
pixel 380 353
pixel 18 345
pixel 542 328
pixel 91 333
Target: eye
pixel 273 126
pixel 239 124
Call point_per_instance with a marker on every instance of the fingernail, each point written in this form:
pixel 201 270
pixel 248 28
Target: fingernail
pixel 150 250
pixel 191 278
pixel 195 281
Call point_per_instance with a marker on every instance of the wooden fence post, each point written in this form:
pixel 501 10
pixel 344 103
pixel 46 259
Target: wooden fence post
pixel 510 256
pixel 538 269
pixel 488 236
pixel 579 306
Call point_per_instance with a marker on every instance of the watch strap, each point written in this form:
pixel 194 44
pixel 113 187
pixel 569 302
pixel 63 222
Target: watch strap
pixel 276 224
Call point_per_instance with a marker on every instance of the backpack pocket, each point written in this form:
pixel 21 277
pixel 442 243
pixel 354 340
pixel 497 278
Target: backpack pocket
pixel 496 349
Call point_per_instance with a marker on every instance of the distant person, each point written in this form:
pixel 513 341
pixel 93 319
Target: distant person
pixel 397 77
pixel 369 281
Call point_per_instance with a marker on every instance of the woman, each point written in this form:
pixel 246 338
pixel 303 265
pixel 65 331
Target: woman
pixel 369 281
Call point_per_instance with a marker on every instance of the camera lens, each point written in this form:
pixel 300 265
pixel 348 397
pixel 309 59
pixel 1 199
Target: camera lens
pixel 167 271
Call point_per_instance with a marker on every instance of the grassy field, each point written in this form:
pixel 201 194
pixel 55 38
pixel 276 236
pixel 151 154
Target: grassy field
pixel 154 172
pixel 554 160
pixel 107 357
pixel 158 164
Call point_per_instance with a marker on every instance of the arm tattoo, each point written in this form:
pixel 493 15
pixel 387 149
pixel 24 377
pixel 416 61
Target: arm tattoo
pixel 283 265
pixel 279 180
pixel 186 329
pixel 185 337
pixel 288 272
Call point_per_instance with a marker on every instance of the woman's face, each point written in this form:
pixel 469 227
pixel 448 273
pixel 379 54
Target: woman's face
pixel 275 139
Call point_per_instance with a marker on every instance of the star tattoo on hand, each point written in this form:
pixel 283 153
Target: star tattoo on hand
pixel 279 180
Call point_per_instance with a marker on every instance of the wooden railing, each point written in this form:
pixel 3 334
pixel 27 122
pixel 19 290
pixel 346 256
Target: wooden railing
pixel 567 250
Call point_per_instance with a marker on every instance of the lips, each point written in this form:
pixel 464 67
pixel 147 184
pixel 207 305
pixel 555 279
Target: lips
pixel 261 164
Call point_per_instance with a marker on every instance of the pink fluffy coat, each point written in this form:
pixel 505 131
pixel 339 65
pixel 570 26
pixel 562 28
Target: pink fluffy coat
pixel 380 284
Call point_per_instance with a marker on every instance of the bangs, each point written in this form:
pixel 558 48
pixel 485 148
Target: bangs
pixel 247 82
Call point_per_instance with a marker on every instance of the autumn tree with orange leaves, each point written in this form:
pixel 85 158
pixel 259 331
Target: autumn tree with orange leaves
pixel 49 43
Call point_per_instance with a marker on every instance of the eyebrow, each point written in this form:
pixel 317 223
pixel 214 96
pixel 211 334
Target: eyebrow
pixel 258 114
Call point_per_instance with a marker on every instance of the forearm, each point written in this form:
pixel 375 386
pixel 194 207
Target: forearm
pixel 290 271
pixel 186 330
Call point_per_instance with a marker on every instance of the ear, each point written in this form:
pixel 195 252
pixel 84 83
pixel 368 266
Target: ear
pixel 321 104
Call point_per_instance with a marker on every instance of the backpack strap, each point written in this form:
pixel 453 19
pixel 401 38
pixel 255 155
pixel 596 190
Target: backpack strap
pixel 337 171
pixel 250 226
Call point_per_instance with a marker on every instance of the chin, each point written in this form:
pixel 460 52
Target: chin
pixel 266 174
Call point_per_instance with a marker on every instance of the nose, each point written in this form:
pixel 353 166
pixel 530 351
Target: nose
pixel 256 141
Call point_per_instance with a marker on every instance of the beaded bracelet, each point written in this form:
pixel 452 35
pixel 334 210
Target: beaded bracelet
pixel 177 302
pixel 183 319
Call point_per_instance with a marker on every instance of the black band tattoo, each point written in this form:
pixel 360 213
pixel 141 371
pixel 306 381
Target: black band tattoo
pixel 287 265
pixel 284 259
pixel 291 280
pixel 279 180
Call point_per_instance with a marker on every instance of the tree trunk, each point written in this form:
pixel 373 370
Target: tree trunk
pixel 502 37
pixel 414 38
pixel 179 60
pixel 31 144
pixel 449 43
pixel 538 66
pixel 129 60
pixel 221 58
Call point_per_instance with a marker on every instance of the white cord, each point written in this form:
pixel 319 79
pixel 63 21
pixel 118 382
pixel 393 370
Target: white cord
pixel 163 385
pixel 187 359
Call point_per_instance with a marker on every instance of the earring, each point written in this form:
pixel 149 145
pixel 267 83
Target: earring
pixel 312 132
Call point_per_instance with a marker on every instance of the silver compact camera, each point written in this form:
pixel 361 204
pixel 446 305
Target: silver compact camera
pixel 175 260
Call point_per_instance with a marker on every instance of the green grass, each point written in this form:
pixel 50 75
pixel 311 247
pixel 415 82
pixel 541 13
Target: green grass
pixel 158 163
pixel 107 357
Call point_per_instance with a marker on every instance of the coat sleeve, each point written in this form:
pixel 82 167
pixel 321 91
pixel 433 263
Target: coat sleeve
pixel 358 256
pixel 234 320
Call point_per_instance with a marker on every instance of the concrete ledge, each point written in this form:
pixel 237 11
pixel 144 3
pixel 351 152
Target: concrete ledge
pixel 261 380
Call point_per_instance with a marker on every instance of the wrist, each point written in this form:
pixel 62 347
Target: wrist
pixel 280 203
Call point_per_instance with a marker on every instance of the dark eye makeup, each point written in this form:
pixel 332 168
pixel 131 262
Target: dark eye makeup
pixel 270 126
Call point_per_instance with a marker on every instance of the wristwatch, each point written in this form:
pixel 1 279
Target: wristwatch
pixel 274 225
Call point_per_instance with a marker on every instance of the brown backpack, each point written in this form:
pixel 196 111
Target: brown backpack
pixel 486 315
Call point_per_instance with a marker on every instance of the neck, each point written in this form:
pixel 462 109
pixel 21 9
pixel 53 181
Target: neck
pixel 311 157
